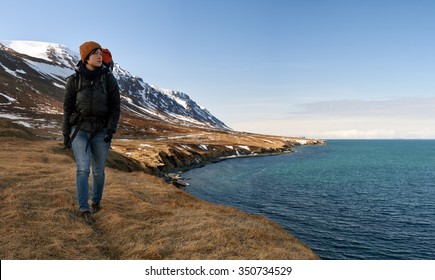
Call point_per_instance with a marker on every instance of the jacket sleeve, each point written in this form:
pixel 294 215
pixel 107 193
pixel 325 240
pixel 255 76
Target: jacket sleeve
pixel 114 102
pixel 68 105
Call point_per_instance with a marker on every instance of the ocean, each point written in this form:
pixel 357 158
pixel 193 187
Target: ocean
pixel 349 199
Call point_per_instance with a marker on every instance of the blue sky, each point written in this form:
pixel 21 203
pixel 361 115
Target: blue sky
pixel 322 69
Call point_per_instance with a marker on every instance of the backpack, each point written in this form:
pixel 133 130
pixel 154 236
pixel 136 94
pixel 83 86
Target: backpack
pixel 107 59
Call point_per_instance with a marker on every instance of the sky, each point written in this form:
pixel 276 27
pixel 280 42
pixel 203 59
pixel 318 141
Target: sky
pixel 326 69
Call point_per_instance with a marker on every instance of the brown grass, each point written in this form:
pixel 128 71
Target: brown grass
pixel 142 217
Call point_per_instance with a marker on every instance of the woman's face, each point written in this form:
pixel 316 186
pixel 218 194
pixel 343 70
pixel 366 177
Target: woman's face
pixel 95 59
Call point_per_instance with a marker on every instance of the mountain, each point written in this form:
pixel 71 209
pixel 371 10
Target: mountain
pixel 33 78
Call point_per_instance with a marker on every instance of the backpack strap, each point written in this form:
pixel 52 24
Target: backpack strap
pixel 103 78
pixel 71 139
pixel 78 82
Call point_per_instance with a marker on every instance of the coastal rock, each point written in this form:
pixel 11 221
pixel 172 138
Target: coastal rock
pixel 183 151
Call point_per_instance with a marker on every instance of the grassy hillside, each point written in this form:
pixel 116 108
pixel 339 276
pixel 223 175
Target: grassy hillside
pixel 142 217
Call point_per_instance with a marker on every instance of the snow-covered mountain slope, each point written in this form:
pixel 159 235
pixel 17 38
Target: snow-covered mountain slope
pixel 33 74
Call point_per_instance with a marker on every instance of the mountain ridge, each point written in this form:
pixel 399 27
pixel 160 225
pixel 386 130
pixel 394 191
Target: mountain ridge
pixel 40 69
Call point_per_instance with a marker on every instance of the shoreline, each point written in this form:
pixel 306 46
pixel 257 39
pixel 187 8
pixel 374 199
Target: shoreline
pixel 180 156
pixel 169 161
pixel 175 176
pixel 182 169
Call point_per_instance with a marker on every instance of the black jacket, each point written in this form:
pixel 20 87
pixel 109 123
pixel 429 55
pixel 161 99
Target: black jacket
pixel 90 99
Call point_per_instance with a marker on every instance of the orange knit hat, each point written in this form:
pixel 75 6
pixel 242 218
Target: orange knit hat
pixel 107 56
pixel 86 48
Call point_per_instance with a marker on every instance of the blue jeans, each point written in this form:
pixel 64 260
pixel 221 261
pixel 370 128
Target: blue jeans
pixel 86 152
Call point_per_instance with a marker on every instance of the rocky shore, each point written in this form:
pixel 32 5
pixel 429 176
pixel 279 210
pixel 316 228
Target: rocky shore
pixel 181 152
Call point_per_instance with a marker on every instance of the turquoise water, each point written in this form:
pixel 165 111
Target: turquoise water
pixel 350 199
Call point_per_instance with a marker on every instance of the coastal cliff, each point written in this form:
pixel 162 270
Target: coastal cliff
pixel 182 151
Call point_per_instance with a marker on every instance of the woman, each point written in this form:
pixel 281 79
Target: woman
pixel 91 114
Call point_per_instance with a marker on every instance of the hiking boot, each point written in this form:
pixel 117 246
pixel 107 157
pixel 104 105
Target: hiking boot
pixel 95 207
pixel 86 215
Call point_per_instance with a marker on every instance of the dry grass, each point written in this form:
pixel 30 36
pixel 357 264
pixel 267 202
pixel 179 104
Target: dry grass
pixel 142 217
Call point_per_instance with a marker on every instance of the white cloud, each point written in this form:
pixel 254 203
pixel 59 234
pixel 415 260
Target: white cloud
pixel 361 134
pixel 393 108
pixel 352 119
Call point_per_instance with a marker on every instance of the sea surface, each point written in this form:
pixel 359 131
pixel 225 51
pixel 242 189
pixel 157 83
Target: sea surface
pixel 350 199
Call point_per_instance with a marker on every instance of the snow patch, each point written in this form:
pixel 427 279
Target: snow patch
pixel 13 117
pixel 146 145
pixel 42 50
pixel 59 85
pixel 30 48
pixel 174 95
pixel 52 71
pixel 302 142
pixel 186 147
pixel 10 99
pixel 13 73
pixel 203 147
pixel 245 148
pixel 23 123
